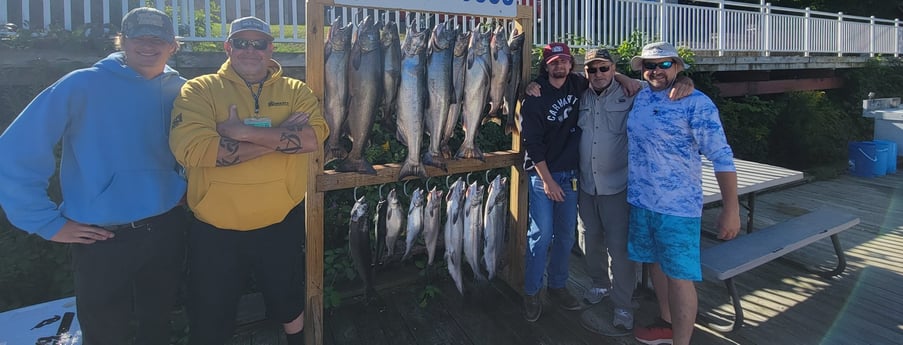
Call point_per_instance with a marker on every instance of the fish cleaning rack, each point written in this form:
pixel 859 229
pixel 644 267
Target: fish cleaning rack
pixel 522 18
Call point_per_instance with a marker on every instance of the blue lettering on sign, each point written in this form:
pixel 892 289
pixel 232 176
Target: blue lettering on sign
pixel 504 2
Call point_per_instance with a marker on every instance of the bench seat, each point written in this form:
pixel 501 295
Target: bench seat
pixel 728 259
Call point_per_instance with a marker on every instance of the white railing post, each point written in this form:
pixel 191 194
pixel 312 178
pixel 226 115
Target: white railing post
pixel 896 37
pixel 26 19
pixel 87 14
pixel 807 43
pixel 3 16
pixel 106 11
pixel 871 36
pixel 839 33
pixel 720 30
pixel 768 29
pixel 45 11
pixel 67 14
pixel 661 23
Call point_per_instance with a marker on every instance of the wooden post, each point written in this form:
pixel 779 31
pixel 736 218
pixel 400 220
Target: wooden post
pixel 313 316
pixel 517 238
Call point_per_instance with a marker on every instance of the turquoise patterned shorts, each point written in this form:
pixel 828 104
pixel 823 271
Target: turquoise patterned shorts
pixel 671 241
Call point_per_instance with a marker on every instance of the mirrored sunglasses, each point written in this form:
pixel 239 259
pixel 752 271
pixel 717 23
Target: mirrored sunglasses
pixel 601 69
pixel 240 43
pixel 662 65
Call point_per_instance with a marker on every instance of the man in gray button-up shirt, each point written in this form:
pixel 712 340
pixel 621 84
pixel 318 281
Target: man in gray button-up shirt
pixel 603 210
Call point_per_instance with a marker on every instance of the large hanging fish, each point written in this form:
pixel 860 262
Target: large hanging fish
pixel 454 231
pixel 365 81
pixel 500 71
pixel 514 89
pixel 391 72
pixel 476 92
pixel 454 109
pixel 337 50
pixel 441 90
pixel 412 93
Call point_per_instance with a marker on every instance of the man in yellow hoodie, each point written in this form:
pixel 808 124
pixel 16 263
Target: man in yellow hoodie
pixel 243 136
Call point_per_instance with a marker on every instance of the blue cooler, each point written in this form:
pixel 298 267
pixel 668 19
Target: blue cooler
pixel 891 161
pixel 865 159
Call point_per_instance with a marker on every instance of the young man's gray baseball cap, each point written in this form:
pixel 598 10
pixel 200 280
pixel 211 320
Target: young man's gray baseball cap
pixel 147 21
pixel 249 24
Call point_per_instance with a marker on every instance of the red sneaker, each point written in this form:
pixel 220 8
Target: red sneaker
pixel 657 333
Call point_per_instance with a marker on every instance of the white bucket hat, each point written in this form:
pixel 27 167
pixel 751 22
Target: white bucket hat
pixel 658 50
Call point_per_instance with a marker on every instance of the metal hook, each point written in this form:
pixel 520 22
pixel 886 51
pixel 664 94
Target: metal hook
pixel 355 192
pixel 486 177
pixel 381 191
pixel 427 183
pixel 447 185
pixel 467 178
pixel 405 188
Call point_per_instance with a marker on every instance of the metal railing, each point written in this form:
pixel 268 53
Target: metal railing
pixel 708 25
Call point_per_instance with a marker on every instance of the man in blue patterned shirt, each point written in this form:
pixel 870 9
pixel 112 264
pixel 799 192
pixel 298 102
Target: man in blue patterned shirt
pixel 664 188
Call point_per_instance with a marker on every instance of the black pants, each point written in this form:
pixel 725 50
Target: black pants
pixel 126 286
pixel 221 261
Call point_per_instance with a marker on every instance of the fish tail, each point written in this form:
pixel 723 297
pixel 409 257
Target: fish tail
pixel 472 152
pixel 359 165
pixel 437 161
pixel 334 152
pixel 411 169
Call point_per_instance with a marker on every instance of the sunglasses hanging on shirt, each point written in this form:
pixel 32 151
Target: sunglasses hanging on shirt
pixel 240 43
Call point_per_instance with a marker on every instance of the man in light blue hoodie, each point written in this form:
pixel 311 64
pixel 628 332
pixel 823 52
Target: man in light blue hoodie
pixel 121 188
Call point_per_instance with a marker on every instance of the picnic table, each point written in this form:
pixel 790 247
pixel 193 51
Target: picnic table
pixel 752 178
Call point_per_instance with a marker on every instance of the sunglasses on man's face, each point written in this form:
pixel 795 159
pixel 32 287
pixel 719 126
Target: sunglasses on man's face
pixel 662 65
pixel 601 69
pixel 240 43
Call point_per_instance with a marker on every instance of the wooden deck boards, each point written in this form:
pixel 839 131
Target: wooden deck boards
pixel 782 304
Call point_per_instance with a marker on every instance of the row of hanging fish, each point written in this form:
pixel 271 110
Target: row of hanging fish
pixel 474 229
pixel 434 80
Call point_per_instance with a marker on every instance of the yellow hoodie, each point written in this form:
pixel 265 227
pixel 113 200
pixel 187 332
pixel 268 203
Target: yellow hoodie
pixel 253 194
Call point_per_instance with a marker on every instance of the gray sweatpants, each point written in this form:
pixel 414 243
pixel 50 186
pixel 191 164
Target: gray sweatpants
pixel 603 222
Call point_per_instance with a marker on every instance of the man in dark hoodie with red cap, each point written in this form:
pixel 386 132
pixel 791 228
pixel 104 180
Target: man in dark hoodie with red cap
pixel 551 138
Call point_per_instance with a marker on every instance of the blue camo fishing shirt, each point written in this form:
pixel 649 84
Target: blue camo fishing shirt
pixel 665 140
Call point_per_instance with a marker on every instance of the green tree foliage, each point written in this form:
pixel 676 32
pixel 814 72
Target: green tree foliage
pixel 811 130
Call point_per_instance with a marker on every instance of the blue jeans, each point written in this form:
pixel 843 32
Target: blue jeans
pixel 550 221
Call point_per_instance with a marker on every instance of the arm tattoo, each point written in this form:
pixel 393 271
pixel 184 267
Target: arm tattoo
pixel 231 148
pixel 292 143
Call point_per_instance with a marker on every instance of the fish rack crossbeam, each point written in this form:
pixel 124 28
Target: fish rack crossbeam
pixel 388 173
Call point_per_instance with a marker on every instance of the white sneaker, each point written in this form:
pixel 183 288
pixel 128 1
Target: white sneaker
pixel 594 295
pixel 623 318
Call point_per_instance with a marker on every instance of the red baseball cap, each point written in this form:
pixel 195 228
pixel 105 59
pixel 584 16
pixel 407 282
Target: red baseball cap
pixel 556 50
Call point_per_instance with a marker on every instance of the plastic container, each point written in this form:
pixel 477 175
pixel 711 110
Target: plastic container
pixel 891 157
pixel 865 159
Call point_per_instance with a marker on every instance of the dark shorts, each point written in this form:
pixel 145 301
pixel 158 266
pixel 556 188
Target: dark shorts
pixel 671 241
pixel 222 261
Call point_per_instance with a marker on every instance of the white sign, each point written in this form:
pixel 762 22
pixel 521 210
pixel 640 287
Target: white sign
pixel 488 8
